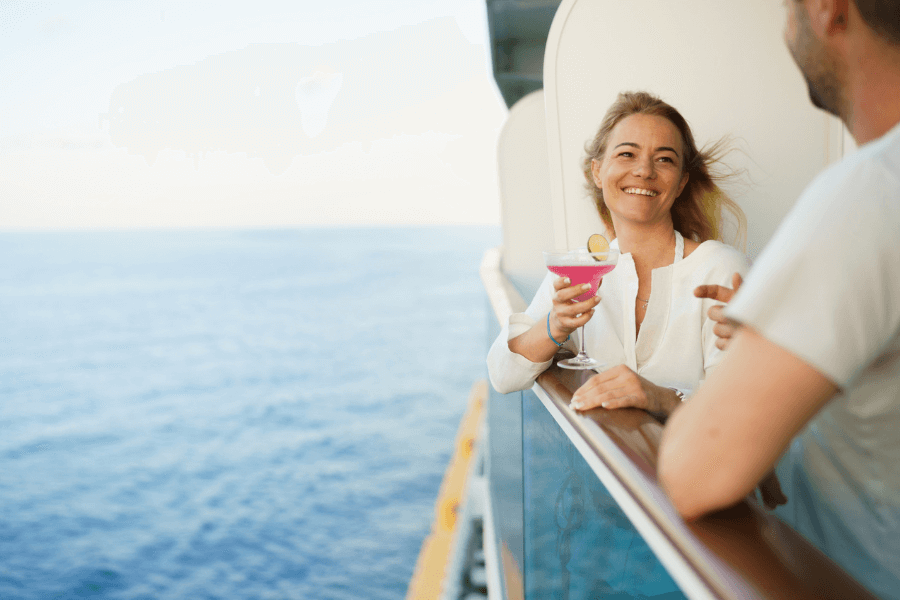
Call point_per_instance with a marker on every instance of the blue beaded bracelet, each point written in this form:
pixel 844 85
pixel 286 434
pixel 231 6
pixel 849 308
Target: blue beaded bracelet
pixel 560 344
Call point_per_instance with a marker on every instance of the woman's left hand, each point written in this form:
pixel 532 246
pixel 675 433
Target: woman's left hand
pixel 620 387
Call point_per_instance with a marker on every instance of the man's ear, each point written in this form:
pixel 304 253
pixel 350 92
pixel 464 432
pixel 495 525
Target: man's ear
pixel 829 16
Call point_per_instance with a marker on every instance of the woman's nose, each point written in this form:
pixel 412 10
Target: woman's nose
pixel 644 169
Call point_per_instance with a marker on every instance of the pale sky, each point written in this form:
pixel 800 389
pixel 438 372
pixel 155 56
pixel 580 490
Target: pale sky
pixel 246 114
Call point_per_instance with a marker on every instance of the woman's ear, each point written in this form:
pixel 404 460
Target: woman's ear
pixel 595 172
pixel 684 180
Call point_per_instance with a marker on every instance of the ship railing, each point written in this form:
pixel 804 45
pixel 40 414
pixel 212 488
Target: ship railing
pixel 573 508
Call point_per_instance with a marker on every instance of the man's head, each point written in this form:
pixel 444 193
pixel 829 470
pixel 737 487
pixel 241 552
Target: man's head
pixel 812 28
pixel 817 64
pixel 883 17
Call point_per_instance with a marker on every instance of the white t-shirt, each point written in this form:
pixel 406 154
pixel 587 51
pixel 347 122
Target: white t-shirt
pixel 676 346
pixel 827 289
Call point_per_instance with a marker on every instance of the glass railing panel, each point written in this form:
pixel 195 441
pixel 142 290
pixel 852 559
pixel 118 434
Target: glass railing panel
pixel 578 542
pixel 503 470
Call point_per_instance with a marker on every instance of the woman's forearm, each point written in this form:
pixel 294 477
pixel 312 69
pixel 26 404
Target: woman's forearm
pixel 535 344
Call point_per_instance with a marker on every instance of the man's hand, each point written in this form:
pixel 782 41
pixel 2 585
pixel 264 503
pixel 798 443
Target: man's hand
pixel 770 490
pixel 724 328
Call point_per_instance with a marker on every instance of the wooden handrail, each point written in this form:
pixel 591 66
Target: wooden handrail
pixel 740 552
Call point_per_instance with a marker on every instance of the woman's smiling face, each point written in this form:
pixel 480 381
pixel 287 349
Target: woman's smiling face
pixel 642 172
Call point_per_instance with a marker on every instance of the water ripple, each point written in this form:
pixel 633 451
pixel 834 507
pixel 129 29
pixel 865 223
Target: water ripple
pixel 187 415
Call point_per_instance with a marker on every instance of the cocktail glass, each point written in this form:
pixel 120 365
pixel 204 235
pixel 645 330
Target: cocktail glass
pixel 582 267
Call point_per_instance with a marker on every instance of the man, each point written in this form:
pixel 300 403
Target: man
pixel 813 373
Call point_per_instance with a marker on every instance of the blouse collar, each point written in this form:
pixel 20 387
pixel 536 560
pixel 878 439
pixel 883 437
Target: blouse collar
pixel 679 247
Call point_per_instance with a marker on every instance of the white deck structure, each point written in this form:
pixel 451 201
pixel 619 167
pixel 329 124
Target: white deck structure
pixel 723 65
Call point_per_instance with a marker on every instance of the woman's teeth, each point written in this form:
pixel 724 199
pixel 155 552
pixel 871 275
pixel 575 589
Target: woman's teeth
pixel 640 191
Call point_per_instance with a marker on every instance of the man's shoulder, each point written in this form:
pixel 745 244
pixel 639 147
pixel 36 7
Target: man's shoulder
pixel 885 155
pixel 874 164
pixel 857 189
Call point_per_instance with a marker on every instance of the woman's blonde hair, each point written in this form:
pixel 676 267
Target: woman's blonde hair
pixel 697 212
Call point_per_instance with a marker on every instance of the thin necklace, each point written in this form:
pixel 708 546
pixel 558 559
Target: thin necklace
pixel 646 302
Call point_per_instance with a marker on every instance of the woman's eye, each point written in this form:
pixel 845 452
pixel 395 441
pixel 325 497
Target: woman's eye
pixel 626 154
pixel 666 159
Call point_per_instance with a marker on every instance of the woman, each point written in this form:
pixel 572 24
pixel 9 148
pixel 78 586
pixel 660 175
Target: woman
pixel 659 201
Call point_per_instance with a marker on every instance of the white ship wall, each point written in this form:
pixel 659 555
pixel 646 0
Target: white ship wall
pixel 525 208
pixel 724 65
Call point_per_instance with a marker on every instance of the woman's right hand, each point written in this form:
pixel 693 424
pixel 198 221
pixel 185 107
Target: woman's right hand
pixel 567 316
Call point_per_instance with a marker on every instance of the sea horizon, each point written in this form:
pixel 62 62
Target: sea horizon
pixel 221 413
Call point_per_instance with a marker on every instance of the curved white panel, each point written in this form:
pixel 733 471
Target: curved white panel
pixel 723 65
pixel 523 174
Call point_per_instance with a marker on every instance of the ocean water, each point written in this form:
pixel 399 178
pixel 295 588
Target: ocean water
pixel 230 414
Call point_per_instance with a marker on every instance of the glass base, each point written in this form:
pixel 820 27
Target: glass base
pixel 579 363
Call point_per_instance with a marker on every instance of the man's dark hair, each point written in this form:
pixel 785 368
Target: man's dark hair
pixel 883 16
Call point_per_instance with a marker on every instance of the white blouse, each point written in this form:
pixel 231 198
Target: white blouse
pixel 676 346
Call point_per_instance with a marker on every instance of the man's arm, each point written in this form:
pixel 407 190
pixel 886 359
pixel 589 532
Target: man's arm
pixel 719 445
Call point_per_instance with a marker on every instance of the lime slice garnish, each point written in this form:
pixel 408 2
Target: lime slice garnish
pixel 597 243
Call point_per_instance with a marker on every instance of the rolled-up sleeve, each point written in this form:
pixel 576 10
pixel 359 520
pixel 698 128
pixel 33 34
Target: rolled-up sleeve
pixel 508 371
pixel 511 372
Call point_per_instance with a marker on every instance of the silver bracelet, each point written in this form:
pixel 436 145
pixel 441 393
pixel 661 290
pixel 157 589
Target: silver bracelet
pixel 678 393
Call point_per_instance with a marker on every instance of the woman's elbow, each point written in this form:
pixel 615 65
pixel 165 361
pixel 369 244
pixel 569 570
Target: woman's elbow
pixel 501 381
pixel 505 375
pixel 499 385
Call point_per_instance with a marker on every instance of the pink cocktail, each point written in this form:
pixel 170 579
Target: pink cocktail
pixel 579 275
pixel 581 267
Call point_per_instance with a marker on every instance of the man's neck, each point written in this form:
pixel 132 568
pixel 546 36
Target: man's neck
pixel 873 91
